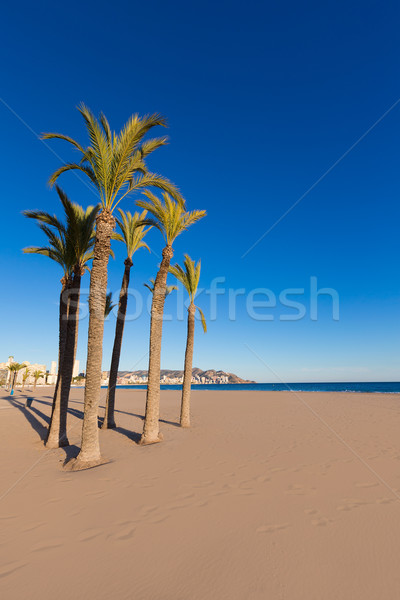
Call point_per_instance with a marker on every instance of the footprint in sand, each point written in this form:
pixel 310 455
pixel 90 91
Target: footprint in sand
pixel 125 534
pixel 202 484
pixel 385 500
pixel 263 479
pixel 272 528
pixel 350 504
pixel 10 568
pixel 90 534
pixel 178 506
pixel 49 545
pixel 296 490
pixel 184 496
pixel 146 510
pixel 32 526
pixel 96 494
pixel 321 522
pixel 220 492
pixel 158 520
pixel 202 504
pixel 366 485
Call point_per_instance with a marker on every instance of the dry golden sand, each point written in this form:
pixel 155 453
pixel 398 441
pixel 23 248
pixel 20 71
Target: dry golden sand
pixel 259 500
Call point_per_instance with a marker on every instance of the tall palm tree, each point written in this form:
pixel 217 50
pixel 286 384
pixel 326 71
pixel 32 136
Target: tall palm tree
pixel 115 165
pixel 77 236
pixel 25 376
pixel 132 234
pixel 14 369
pixel 37 374
pixel 168 288
pixel 189 277
pixel 60 252
pixel 171 219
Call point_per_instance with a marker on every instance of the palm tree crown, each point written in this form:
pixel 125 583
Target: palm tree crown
pixel 115 163
pixel 26 374
pixel 189 277
pixel 169 217
pixel 132 231
pixel 70 244
pixel 37 374
pixel 15 367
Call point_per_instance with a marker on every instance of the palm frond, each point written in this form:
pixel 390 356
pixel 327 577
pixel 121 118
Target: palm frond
pixel 158 181
pixel 44 217
pixel 60 136
pixel 203 319
pixel 109 305
pixel 168 288
pixel 74 167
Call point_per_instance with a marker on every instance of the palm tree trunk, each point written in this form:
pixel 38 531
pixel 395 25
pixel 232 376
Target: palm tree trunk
pixel 151 433
pixel 187 375
pixel 109 420
pixel 57 433
pixel 62 338
pixel 13 378
pixel 90 448
pixel 63 316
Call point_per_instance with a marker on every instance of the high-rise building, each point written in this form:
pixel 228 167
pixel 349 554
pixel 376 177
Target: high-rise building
pixel 75 372
pixel 52 376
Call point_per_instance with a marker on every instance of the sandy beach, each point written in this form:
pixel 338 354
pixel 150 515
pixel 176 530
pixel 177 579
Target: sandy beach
pixel 270 495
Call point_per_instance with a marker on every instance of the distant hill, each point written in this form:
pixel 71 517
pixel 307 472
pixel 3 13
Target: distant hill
pixel 209 374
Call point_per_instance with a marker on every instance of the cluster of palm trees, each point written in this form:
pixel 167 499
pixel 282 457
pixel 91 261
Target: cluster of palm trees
pixel 115 164
pixel 14 368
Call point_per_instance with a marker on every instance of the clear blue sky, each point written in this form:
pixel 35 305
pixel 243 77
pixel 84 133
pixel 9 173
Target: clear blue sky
pixel 262 98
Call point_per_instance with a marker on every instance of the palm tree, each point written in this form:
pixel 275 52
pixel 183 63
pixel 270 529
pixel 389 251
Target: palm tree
pixel 171 219
pixel 132 234
pixel 168 288
pixel 115 165
pixel 37 375
pixel 78 240
pixel 25 377
pixel 60 252
pixel 189 277
pixel 14 369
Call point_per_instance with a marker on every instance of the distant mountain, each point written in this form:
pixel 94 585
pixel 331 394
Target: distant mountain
pixel 209 374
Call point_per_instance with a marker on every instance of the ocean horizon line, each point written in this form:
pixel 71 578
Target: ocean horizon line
pixel 370 387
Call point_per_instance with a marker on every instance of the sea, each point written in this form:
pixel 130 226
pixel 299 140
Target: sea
pixel 370 387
